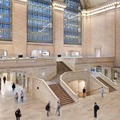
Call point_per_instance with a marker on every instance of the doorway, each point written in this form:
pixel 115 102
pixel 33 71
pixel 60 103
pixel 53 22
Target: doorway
pixel 97 52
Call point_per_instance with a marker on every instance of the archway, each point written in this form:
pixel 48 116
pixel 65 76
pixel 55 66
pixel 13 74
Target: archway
pixel 77 86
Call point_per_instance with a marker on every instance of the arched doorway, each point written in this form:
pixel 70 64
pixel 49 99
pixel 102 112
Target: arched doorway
pixel 77 86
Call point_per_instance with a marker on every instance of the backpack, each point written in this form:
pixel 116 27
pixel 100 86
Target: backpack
pixel 98 107
pixel 46 108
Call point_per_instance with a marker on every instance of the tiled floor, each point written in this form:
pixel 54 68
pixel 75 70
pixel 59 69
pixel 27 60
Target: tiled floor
pixel 33 109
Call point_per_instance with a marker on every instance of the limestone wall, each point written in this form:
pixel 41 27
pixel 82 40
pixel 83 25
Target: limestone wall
pixel 78 75
pixel 19 27
pixel 98 31
pixel 42 91
pixel 102 31
pixel 85 64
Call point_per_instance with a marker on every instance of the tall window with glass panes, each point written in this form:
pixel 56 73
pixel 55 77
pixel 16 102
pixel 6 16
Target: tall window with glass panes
pixel 72 23
pixel 5 20
pixel 39 21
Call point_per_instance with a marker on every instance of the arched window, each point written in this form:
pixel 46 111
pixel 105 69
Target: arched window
pixel 40 21
pixel 5 20
pixel 72 23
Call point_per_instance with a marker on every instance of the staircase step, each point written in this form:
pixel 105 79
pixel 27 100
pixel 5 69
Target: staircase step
pixel 61 94
pixel 111 89
pixel 62 67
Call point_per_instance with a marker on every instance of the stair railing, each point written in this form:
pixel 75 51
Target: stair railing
pixel 106 89
pixel 109 81
pixel 41 92
pixel 68 90
pixel 61 90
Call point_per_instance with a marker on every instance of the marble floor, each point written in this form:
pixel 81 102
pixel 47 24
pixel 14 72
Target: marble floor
pixel 34 109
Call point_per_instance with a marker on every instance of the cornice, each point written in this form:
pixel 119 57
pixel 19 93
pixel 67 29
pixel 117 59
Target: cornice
pixel 101 9
pixel 59 5
pixel 21 1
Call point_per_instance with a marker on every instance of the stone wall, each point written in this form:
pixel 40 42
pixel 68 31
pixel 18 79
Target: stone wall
pixel 102 31
pixel 42 91
pixel 19 27
pixel 98 31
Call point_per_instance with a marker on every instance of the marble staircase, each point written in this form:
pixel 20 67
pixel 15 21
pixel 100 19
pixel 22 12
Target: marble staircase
pixel 61 94
pixel 111 89
pixel 62 67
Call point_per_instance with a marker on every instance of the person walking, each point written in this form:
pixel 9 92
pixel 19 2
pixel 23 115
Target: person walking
pixel 48 108
pixel 84 92
pixel 18 114
pixel 22 95
pixel 102 92
pixel 4 79
pixel 16 97
pixel 58 108
pixel 13 86
pixel 96 108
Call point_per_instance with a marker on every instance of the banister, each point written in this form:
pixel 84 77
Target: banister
pixel 68 89
pixel 47 87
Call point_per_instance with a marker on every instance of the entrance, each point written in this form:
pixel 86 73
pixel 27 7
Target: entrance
pixel 97 52
pixel 19 78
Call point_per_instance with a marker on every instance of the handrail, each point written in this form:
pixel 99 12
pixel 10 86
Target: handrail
pixel 60 89
pixel 50 75
pixel 106 79
pixel 105 87
pixel 99 81
pixel 69 89
pixel 48 88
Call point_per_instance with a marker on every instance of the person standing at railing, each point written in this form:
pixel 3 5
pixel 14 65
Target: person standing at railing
pixel 102 92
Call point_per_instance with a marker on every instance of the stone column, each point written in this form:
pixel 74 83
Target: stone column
pixel 19 26
pixel 86 36
pixel 30 83
pixel 8 74
pixel 58 27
